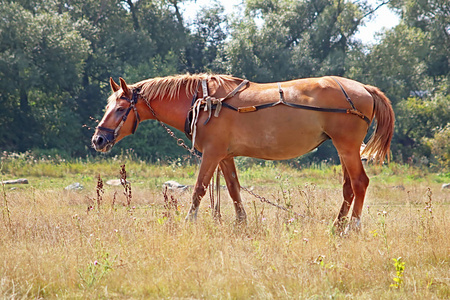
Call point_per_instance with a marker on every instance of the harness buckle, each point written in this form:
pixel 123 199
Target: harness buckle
pixel 247 109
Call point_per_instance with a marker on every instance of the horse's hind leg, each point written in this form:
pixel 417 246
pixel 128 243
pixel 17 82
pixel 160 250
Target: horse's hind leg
pixel 207 168
pixel 359 181
pixel 348 199
pixel 229 172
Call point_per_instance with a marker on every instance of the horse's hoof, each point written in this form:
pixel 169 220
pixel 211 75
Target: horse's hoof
pixel 241 218
pixel 191 216
pixel 339 225
pixel 241 221
pixel 354 225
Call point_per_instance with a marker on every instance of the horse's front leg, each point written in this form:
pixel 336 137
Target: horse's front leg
pixel 207 168
pixel 229 172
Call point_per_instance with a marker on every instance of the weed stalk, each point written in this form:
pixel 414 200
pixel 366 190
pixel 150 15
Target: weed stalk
pixel 381 224
pixel 126 185
pixel 95 271
pixel 100 191
pixel 170 204
pixel 6 210
pixel 113 202
pixel 427 218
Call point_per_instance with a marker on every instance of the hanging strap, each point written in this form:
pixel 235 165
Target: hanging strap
pixel 345 93
pixel 281 94
pixel 209 104
pixel 237 89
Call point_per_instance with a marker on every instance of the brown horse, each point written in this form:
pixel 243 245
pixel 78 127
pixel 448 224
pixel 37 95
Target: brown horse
pixel 268 121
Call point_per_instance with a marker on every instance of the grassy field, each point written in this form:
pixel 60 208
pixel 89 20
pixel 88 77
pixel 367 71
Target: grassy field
pixel 90 243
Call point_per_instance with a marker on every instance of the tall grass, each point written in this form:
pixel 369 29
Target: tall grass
pixel 60 246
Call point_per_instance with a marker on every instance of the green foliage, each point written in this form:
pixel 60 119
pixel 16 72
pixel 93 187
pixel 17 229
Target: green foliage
pixel 56 58
pixel 421 128
pixel 432 17
pixel 209 32
pixel 156 66
pixel 440 147
pixel 280 40
pixel 41 58
pixel 396 64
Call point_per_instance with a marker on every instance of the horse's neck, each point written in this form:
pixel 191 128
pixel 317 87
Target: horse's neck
pixel 171 112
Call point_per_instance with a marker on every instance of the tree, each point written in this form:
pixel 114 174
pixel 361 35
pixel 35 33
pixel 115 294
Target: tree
pixel 285 39
pixel 440 149
pixel 411 64
pixel 41 55
pixel 419 122
pixel 56 58
pixel 396 65
pixel 432 17
pixel 208 34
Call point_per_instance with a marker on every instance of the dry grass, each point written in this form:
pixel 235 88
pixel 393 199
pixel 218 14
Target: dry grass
pixel 60 245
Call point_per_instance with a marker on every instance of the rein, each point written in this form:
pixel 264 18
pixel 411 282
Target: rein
pixel 133 102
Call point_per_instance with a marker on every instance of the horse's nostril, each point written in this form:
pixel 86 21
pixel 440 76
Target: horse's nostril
pixel 99 141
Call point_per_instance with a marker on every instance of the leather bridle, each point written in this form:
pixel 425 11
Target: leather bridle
pixel 115 132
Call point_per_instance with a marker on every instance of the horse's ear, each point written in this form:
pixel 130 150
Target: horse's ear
pixel 124 87
pixel 114 86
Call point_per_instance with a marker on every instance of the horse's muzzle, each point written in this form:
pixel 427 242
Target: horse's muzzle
pixel 102 142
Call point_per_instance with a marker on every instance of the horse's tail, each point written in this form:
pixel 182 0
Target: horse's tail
pixel 380 141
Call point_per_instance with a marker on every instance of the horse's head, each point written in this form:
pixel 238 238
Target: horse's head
pixel 117 121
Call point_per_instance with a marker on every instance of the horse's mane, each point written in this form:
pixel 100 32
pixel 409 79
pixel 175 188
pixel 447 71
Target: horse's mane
pixel 169 87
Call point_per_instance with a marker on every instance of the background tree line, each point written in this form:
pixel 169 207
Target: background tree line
pixel 56 57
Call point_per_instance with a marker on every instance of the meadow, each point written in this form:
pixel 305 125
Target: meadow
pixel 132 242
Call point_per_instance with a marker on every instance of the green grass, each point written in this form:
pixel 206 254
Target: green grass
pixel 60 244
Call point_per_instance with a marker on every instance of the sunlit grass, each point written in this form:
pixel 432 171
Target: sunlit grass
pixel 60 244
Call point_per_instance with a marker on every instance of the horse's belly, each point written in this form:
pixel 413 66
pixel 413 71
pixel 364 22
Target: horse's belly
pixel 277 138
pixel 279 150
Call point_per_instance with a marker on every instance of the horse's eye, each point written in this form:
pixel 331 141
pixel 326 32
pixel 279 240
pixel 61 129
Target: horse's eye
pixel 120 109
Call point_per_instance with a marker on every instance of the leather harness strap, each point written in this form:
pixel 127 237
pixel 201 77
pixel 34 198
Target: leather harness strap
pixel 345 93
pixel 353 109
pixel 209 103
